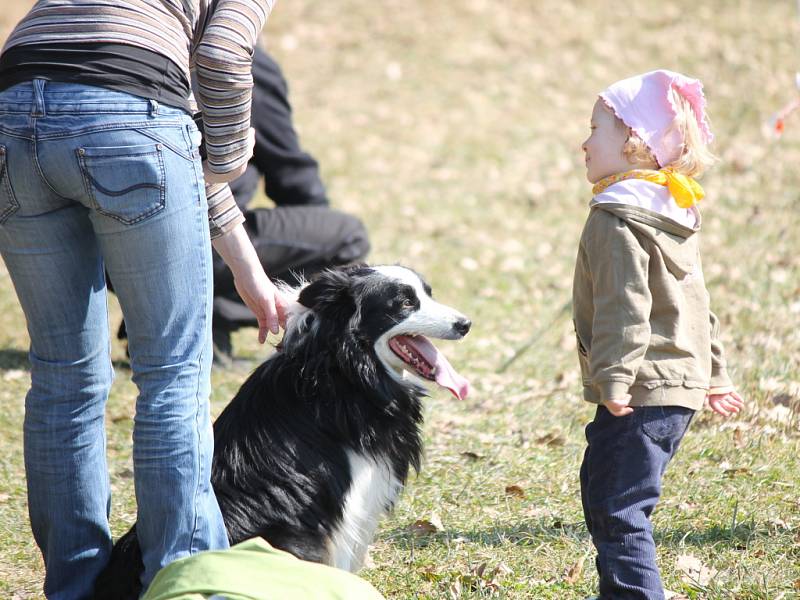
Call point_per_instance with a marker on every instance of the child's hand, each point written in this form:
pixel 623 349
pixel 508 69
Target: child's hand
pixel 727 404
pixel 619 406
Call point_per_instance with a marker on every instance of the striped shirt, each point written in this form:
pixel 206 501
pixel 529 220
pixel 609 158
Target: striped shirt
pixel 212 40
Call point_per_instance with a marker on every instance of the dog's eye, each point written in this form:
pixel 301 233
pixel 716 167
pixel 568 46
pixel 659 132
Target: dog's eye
pixel 408 303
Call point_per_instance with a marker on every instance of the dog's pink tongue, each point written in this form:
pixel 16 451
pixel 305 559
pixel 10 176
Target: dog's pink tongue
pixel 444 373
pixel 448 377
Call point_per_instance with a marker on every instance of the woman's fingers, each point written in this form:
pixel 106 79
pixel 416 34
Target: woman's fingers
pixel 269 322
pixel 281 308
pixel 251 282
pixel 261 297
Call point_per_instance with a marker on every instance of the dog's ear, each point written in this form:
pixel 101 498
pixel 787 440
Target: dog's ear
pixel 331 288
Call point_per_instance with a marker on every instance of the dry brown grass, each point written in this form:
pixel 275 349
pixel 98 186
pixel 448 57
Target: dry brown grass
pixel 453 129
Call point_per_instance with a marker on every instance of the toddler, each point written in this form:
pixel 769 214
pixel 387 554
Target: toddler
pixel 648 344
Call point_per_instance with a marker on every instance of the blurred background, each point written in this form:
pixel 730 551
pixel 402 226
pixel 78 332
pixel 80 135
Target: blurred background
pixel 453 129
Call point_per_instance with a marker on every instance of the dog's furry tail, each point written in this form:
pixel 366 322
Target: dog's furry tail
pixel 120 579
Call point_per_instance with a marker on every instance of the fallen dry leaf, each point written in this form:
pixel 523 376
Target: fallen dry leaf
pixel 783 399
pixel 736 471
pixel 515 490
pixel 422 527
pixel 479 570
pixel 551 439
pixel 13 374
pixel 473 456
pixel 429 573
pixel 575 572
pixel 437 521
pixel 779 523
pixel 738 439
pixel 483 578
pixel 694 570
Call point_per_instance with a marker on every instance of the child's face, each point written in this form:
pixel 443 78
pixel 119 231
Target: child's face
pixel 603 148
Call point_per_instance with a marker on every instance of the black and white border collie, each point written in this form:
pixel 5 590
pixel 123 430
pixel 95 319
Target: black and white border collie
pixel 318 442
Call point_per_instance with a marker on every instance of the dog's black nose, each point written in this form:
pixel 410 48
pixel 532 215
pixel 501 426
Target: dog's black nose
pixel 462 326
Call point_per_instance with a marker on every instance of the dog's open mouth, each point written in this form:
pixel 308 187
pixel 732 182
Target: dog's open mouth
pixel 425 360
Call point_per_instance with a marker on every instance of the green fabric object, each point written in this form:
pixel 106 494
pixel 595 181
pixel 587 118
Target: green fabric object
pixel 254 570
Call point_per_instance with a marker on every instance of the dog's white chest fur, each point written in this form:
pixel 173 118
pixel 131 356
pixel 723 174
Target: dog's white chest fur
pixel 372 493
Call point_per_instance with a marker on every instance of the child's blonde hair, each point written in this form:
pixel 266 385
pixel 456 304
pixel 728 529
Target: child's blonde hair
pixel 695 156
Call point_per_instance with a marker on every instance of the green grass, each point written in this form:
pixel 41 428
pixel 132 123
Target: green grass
pixel 453 128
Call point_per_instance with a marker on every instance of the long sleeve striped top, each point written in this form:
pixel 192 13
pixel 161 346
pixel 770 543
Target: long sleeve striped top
pixel 213 39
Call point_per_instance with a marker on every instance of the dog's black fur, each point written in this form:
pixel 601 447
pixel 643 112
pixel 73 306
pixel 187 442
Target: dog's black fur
pixel 280 469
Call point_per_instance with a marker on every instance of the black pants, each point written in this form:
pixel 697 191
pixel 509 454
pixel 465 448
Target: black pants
pixel 302 235
pixel 291 176
pixel 291 242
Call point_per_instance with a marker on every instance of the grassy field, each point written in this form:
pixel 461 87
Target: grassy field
pixel 453 129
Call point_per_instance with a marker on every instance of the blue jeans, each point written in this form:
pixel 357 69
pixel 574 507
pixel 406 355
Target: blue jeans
pixel 620 485
pixel 91 179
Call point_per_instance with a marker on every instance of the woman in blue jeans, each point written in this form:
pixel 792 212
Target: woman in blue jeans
pixel 100 168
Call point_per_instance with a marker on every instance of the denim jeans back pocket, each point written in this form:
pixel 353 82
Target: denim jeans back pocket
pixel 665 424
pixel 126 183
pixel 8 202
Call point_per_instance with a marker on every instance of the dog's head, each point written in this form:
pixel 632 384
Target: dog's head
pixel 386 312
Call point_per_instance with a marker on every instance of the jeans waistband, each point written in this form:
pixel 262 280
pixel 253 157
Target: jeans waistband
pixel 40 98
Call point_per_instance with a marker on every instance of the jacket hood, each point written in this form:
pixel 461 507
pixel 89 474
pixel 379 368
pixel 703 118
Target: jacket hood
pixel 678 243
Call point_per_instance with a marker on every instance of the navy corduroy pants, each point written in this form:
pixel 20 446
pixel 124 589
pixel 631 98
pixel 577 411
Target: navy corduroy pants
pixel 621 474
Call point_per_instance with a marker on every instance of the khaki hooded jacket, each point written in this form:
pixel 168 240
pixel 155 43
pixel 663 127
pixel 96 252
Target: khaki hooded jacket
pixel 641 311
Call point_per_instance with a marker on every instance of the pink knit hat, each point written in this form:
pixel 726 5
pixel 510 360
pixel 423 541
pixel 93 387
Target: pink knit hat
pixel 643 104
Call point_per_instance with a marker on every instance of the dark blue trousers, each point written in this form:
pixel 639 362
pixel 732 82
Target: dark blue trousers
pixel 620 485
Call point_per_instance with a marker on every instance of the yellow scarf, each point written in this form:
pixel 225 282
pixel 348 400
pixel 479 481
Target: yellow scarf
pixel 686 191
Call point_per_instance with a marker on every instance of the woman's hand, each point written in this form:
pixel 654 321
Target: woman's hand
pixel 726 404
pixel 263 298
pixel 258 292
pixel 211 177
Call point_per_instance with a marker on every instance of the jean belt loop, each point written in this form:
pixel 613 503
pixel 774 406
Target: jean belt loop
pixel 38 98
pixel 188 132
pixel 153 108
